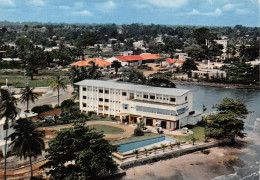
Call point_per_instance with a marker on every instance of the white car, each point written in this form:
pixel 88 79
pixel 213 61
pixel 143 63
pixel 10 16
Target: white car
pixel 49 118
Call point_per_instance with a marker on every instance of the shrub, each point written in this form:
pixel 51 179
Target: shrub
pixel 138 131
pixel 43 108
pixel 67 104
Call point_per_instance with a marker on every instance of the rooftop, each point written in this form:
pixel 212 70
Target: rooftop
pixel 98 62
pixel 140 57
pixel 133 87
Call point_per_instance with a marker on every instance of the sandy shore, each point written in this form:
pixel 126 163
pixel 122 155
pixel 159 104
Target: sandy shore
pixel 197 166
pixel 233 86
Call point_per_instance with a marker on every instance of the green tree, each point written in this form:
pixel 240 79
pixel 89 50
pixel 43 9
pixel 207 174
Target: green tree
pixel 116 65
pixel 58 84
pixel 93 71
pixel 79 153
pixel 195 51
pixel 227 123
pixel 133 75
pixel 9 111
pixel 189 65
pixel 27 96
pixel 243 73
pixel 28 141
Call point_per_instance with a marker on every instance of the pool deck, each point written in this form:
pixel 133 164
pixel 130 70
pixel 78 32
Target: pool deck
pixel 159 154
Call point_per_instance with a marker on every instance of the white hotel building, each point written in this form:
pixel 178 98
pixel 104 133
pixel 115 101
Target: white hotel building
pixel 170 107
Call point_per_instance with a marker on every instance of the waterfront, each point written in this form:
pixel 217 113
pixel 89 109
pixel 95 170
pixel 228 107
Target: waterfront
pixel 174 169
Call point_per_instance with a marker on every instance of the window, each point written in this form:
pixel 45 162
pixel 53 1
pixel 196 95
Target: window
pixel 173 99
pixel 106 100
pixel 84 89
pixel 100 99
pixel 124 93
pixel 186 98
pixel 152 97
pixel 125 106
pixel 100 91
pixel 145 96
pixel 84 105
pixel 106 91
pixel 84 97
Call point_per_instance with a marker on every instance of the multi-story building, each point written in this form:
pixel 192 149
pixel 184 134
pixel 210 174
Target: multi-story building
pixel 170 107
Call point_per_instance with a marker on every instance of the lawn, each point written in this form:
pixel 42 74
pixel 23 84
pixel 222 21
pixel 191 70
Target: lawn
pixel 107 129
pixel 198 132
pixel 135 138
pixel 19 81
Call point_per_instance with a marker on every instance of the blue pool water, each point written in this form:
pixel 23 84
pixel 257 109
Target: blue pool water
pixel 145 142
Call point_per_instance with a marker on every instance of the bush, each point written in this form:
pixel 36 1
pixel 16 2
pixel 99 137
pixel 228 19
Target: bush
pixel 138 132
pixel 67 104
pixel 43 108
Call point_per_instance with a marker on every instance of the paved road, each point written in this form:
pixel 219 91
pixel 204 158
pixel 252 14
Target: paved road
pixel 53 99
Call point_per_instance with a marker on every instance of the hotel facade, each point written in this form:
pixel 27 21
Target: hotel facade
pixel 171 108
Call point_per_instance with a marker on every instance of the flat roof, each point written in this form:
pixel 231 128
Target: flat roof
pixel 133 87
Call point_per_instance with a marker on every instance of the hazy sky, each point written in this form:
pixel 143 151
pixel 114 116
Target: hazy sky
pixel 171 12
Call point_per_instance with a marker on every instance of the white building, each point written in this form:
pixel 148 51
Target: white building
pixel 170 107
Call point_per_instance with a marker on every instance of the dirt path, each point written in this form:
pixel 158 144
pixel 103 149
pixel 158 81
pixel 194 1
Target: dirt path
pixel 128 129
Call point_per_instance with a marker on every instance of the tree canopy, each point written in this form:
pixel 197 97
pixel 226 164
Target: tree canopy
pixel 227 123
pixel 79 153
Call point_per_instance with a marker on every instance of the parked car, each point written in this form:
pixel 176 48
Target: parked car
pixel 49 118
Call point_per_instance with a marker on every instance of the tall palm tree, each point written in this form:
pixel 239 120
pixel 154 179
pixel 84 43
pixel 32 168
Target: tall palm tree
pixel 28 141
pixel 93 72
pixel 27 96
pixel 116 65
pixel 9 111
pixel 58 84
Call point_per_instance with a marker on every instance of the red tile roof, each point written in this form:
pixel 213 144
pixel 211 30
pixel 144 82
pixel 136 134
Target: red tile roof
pixel 172 61
pixel 150 56
pixel 140 57
pixel 86 62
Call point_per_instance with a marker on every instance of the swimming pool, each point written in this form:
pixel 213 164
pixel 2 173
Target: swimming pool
pixel 145 143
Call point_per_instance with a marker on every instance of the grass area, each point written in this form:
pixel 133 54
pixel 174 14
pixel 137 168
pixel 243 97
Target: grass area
pixel 107 129
pixel 19 81
pixel 198 133
pixel 135 138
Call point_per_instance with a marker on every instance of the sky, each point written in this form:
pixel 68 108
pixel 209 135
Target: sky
pixel 168 12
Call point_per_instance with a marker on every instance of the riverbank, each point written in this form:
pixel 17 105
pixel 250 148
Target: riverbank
pixel 222 85
pixel 198 165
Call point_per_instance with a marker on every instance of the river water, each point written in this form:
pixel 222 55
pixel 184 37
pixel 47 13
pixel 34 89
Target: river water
pixel 210 96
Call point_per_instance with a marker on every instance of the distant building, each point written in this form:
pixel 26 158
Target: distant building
pixel 170 107
pixel 212 73
pixel 139 59
pixel 98 62
pixel 174 62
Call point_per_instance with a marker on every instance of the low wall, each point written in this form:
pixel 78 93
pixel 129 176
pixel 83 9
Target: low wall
pixel 167 155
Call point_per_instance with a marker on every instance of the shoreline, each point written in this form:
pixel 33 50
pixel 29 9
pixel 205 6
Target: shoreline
pixel 221 85
pixel 220 161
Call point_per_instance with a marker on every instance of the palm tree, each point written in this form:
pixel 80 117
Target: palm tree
pixel 9 111
pixel 28 141
pixel 136 152
pixel 116 65
pixel 93 72
pixel 58 84
pixel 27 96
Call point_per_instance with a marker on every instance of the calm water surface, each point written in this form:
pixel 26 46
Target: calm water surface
pixel 210 96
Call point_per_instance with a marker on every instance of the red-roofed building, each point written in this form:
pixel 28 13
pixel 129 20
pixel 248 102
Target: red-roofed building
pixel 174 62
pixel 86 62
pixel 139 59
